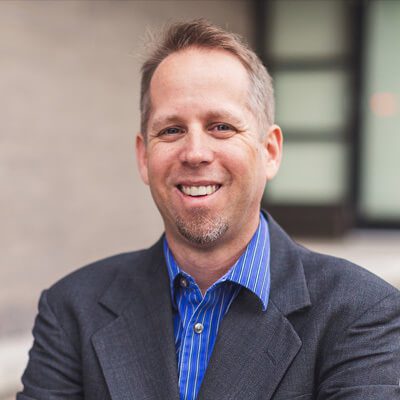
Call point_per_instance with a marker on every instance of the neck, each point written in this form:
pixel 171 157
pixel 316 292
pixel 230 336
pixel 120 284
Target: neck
pixel 207 264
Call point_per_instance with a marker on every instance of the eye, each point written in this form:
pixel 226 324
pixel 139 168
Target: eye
pixel 222 127
pixel 222 130
pixel 173 130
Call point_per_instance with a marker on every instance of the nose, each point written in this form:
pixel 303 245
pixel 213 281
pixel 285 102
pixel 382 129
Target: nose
pixel 196 148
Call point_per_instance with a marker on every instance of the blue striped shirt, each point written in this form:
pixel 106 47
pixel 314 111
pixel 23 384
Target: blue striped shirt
pixel 198 318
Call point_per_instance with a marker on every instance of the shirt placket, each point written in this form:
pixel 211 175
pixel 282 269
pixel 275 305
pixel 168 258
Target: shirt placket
pixel 193 344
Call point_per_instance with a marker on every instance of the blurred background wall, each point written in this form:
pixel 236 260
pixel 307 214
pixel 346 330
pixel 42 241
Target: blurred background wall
pixel 69 86
pixel 69 101
pixel 69 104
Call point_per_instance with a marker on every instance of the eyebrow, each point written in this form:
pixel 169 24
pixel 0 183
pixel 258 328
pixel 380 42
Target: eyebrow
pixel 161 121
pixel 224 114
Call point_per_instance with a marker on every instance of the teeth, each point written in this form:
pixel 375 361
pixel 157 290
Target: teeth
pixel 198 190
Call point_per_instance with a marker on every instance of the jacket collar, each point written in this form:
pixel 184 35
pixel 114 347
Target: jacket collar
pixel 137 351
pixel 289 289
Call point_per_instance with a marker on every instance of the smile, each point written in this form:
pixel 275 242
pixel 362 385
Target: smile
pixel 198 190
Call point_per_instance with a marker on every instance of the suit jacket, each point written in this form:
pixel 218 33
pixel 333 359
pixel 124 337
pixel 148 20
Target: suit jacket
pixel 331 331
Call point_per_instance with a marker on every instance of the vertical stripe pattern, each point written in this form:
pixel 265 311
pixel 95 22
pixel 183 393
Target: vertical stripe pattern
pixel 198 318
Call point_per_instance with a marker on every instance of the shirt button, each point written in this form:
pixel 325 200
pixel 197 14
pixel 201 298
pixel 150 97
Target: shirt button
pixel 198 328
pixel 183 282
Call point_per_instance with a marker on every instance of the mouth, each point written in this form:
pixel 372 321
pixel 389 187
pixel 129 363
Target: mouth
pixel 198 190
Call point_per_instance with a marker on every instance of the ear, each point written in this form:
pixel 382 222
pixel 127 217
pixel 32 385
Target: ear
pixel 141 157
pixel 273 147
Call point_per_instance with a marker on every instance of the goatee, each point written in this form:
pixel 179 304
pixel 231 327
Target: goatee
pixel 201 228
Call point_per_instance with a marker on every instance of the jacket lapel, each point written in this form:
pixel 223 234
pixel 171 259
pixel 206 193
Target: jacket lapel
pixel 136 350
pixel 254 349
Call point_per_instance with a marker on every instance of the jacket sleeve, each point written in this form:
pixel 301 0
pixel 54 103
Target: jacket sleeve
pixel 364 361
pixel 54 368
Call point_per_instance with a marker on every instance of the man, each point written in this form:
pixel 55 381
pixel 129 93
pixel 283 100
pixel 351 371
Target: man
pixel 224 305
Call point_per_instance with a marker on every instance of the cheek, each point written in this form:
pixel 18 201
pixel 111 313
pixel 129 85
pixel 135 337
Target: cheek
pixel 160 164
pixel 250 169
pixel 245 160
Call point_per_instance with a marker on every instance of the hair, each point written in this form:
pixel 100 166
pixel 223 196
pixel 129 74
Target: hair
pixel 202 34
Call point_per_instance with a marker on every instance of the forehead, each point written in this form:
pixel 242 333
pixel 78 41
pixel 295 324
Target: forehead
pixel 199 60
pixel 201 76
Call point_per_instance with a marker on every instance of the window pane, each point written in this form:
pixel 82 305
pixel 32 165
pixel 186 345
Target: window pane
pixel 308 28
pixel 380 183
pixel 310 173
pixel 311 100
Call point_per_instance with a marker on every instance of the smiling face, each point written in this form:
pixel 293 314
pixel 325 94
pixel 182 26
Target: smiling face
pixel 204 159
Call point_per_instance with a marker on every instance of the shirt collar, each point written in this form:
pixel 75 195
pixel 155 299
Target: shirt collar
pixel 251 270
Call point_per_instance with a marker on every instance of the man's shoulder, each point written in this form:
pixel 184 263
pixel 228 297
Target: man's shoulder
pixel 330 281
pixel 100 271
pixel 342 286
pixel 87 284
pixel 336 271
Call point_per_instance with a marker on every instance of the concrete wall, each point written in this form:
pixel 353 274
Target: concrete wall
pixel 69 84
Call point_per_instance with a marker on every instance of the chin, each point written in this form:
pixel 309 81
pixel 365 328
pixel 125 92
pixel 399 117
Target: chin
pixel 201 229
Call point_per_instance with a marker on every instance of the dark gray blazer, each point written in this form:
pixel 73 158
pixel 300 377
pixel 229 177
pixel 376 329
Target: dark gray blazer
pixel 331 331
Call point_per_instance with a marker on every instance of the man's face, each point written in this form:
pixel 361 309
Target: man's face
pixel 205 161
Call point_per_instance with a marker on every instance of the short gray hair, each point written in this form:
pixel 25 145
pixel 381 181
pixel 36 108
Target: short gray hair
pixel 201 33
